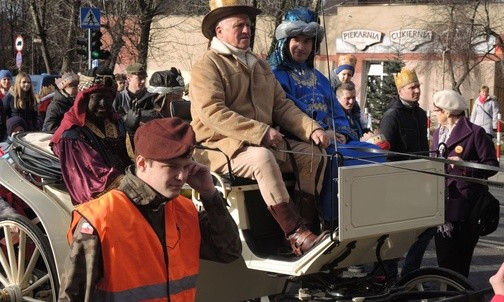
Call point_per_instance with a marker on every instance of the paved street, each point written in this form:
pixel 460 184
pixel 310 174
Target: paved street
pixel 489 253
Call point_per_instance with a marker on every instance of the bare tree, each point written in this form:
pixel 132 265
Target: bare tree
pixel 465 37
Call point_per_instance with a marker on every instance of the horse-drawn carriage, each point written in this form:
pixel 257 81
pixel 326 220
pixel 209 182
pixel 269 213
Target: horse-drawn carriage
pixel 382 210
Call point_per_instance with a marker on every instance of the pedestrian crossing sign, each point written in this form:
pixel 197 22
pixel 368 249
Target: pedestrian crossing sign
pixel 89 18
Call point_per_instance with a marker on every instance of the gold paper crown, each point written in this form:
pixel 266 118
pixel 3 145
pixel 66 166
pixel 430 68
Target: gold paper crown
pixel 347 60
pixel 405 77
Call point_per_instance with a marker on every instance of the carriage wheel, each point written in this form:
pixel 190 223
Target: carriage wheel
pixel 27 268
pixel 435 279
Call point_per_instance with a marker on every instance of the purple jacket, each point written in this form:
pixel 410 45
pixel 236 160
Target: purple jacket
pixel 473 145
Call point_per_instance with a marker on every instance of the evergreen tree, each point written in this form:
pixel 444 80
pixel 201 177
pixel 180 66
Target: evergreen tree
pixel 381 89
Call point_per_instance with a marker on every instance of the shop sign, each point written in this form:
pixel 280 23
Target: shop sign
pixel 361 38
pixel 410 38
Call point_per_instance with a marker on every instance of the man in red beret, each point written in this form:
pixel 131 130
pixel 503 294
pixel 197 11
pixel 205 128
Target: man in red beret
pixel 142 241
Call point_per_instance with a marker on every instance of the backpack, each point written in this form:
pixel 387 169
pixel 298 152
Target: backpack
pixel 486 214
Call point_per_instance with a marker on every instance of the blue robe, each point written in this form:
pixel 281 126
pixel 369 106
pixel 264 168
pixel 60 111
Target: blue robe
pixel 312 92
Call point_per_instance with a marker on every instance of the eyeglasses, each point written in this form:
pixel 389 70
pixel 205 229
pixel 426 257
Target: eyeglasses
pixel 437 110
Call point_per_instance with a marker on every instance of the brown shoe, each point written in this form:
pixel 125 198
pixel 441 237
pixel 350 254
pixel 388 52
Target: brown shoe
pixel 302 240
pixel 300 237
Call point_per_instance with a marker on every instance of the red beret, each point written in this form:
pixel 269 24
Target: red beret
pixel 164 139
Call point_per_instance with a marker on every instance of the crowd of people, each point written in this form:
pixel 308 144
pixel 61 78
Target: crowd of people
pixel 119 147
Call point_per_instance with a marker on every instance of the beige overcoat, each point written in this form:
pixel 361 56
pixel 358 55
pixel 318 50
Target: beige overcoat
pixel 233 105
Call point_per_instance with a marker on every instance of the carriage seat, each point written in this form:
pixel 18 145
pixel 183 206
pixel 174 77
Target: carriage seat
pixel 32 155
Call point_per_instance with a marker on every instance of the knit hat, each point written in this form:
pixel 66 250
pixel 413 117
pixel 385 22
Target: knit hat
pixel 346 62
pixel 220 9
pixel 165 139
pixel 450 101
pixel 66 79
pixel 166 81
pixel 405 77
pixel 14 122
pixel 136 69
pixel 4 73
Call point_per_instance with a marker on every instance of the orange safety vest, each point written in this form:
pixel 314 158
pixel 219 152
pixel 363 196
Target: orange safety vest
pixel 134 268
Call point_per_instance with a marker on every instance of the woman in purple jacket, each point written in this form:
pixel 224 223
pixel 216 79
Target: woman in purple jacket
pixel 459 139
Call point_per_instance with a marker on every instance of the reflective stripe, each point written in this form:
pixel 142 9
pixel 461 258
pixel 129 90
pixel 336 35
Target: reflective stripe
pixel 177 286
pixel 155 291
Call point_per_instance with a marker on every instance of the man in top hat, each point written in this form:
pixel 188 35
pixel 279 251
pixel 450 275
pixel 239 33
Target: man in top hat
pixel 235 103
pixel 404 125
pixel 143 240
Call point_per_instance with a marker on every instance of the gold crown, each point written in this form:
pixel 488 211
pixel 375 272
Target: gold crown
pixel 405 77
pixel 347 60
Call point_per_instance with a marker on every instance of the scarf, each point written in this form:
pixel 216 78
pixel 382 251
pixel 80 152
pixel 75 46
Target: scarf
pixel 483 100
pixel 76 116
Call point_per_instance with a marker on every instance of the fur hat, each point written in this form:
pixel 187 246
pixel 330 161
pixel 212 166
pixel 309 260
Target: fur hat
pixel 220 9
pixel 450 101
pixel 346 62
pixel 174 133
pixel 4 73
pixel 136 69
pixel 66 79
pixel 405 77
pixel 166 81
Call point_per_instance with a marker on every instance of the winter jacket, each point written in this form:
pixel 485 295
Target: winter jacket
pixel 405 128
pixel 123 101
pixel 472 145
pixel 485 115
pixel 59 105
pixel 233 106
pixel 29 115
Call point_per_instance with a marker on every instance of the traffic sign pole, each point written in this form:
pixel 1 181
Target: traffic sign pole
pixel 89 48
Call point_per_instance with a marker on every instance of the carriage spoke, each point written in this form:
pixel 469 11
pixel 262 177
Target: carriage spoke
pixel 3 259
pixel 30 267
pixel 11 253
pixel 36 284
pixel 4 280
pixel 21 256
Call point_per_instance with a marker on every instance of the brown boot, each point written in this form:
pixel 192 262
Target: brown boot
pixel 301 239
pixel 307 207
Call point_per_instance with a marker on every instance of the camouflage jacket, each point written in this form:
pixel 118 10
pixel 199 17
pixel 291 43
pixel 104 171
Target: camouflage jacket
pixel 83 268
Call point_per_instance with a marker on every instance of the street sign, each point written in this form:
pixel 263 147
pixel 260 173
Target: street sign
pixel 19 59
pixel 19 43
pixel 89 18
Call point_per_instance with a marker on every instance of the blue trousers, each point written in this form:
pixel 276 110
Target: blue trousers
pixel 349 157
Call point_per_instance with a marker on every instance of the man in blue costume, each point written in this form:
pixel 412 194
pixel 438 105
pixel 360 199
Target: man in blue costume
pixel 298 40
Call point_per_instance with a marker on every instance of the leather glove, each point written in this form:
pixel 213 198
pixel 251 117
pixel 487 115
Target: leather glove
pixel 132 119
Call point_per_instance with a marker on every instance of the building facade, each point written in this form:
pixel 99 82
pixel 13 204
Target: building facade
pixel 440 48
